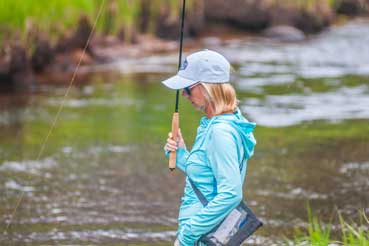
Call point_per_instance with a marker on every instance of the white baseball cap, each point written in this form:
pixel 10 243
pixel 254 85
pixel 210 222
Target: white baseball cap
pixel 206 66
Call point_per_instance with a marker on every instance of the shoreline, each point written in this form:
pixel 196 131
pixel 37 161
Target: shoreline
pixel 111 50
pixel 53 64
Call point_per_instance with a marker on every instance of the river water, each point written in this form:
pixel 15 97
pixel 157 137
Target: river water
pixel 102 179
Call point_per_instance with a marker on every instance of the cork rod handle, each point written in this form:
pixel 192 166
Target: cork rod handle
pixel 173 154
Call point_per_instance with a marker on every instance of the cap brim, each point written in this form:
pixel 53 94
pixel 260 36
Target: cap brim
pixel 177 82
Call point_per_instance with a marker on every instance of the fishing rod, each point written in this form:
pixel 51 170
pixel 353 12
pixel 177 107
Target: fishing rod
pixel 175 118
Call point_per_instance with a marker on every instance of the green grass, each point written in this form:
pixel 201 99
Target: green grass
pixel 62 13
pixel 320 234
pixel 317 233
pixel 17 16
pixel 55 17
pixel 355 235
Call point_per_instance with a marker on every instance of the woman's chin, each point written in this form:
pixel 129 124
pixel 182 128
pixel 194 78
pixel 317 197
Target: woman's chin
pixel 200 108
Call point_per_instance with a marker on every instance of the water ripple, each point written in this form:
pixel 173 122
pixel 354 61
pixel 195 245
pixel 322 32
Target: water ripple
pixel 28 166
pixel 286 110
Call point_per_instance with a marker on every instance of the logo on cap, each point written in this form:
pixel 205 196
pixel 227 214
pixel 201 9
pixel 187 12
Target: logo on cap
pixel 184 65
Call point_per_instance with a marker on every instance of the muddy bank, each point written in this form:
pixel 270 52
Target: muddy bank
pixel 22 67
pixel 156 30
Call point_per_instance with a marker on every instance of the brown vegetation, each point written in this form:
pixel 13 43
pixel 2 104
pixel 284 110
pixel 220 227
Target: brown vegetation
pixel 290 19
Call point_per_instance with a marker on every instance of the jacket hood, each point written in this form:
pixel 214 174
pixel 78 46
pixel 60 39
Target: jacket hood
pixel 241 124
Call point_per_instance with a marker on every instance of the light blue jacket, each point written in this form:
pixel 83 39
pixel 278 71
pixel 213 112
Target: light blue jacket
pixel 221 149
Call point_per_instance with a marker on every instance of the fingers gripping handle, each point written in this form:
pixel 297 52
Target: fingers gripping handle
pixel 173 154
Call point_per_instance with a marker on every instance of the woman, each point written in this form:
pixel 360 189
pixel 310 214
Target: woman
pixel 218 159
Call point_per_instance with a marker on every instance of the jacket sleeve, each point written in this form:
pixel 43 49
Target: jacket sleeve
pixel 182 154
pixel 221 150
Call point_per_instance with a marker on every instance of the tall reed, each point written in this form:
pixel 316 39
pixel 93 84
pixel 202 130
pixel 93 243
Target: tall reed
pixel 319 234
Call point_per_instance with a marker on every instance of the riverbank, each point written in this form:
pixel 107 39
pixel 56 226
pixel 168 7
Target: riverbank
pixel 34 52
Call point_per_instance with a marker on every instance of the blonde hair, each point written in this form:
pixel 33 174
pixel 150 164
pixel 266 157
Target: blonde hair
pixel 222 97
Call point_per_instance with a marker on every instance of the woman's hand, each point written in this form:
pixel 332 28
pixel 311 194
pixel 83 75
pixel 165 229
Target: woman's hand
pixel 172 145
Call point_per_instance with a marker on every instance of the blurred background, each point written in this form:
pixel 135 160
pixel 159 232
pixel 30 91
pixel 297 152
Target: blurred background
pixel 301 70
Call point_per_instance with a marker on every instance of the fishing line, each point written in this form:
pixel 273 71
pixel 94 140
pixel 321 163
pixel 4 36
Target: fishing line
pixel 56 118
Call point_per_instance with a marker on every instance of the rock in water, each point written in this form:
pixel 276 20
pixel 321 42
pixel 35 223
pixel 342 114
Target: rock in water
pixel 284 33
pixel 248 15
pixel 353 7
